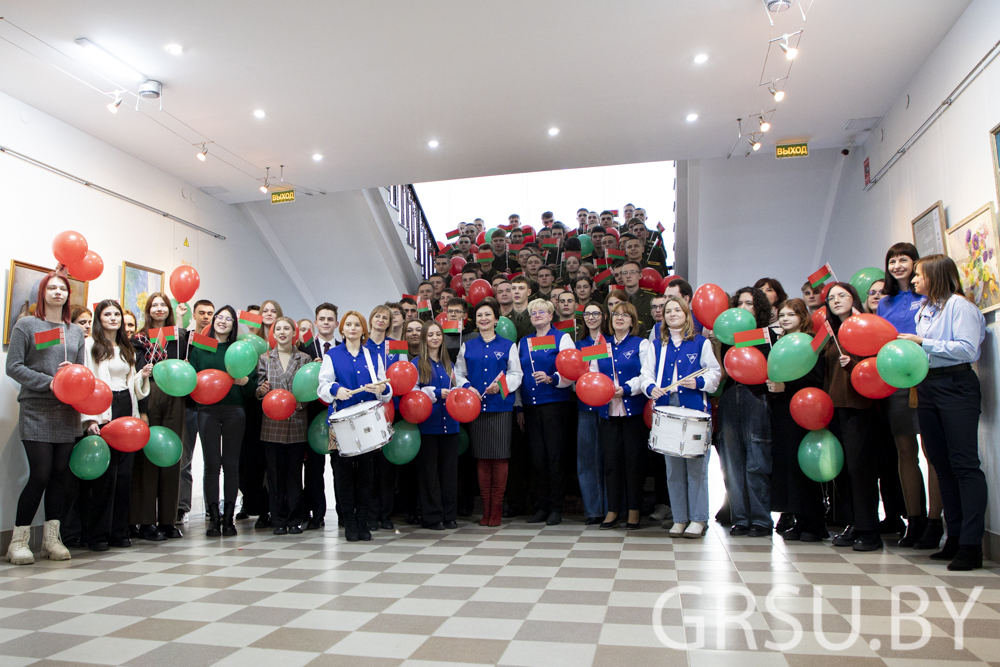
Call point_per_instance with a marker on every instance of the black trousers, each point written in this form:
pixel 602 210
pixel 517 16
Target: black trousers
pixel 284 482
pixel 889 487
pixel 437 470
pixel 518 471
pixel 104 502
pixel 353 478
pixel 856 429
pixel 383 487
pixel 623 441
pixel 948 407
pixel 253 463
pixel 221 428
pixel 545 426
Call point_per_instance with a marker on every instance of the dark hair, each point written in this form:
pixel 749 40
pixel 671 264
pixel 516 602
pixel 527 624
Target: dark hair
pixel 514 215
pixel 629 310
pixel 941 278
pixel 604 317
pixel 891 287
pixel 587 279
pixel 326 306
pixel 683 286
pixel 488 302
pixel 547 214
pixel 802 310
pixel 635 221
pixel 253 306
pixel 546 267
pixel 573 244
pixel 424 282
pixel 458 301
pixel 441 255
pixel 607 212
pixel 632 262
pixel 597 228
pixel 522 279
pixel 408 300
pixel 470 268
pixel 558 225
pixel 232 332
pixel 78 310
pixel 856 304
pixel 761 305
pixel 148 319
pixel 103 349
pixel 774 285
pixel 202 302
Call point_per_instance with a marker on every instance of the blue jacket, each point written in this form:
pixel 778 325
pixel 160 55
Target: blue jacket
pixel 901 311
pixel 544 361
pixel 479 363
pixel 679 362
pixel 380 350
pixel 440 422
pixel 580 344
pixel 342 369
pixel 633 358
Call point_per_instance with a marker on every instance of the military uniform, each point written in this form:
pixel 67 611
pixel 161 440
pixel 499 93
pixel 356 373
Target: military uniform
pixel 643 301
pixel 655 258
pixel 522 323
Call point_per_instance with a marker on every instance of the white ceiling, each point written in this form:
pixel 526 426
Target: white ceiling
pixel 368 84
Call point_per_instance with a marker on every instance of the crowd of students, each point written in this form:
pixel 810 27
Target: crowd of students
pixel 550 293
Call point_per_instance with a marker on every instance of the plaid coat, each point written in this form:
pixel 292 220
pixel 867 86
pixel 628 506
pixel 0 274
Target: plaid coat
pixel 295 428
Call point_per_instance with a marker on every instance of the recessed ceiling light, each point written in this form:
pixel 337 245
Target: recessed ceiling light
pixel 317 157
pixel 553 131
pixel 259 113
pixel 691 117
pixel 175 49
pixel 701 58
pixel 433 143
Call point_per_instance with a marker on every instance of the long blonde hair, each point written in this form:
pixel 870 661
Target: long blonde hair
pixel 424 365
pixel 687 331
pixel 263 331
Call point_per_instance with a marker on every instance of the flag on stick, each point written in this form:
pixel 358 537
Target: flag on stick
pixel 615 254
pixel 819 277
pixel 423 306
pixel 502 383
pixel 44 339
pixel 397 347
pixel 596 352
pixel 550 243
pixel 542 343
pixel 451 326
pixel 306 337
pixel 249 319
pixel 603 278
pixel 206 343
pixel 751 338
pixel 566 326
pixel 820 339
pixel 484 257
pixel 453 234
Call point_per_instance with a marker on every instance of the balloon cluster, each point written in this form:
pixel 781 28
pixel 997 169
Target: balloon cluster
pixel 71 251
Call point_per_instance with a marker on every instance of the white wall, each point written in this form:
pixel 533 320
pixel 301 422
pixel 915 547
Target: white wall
pixel 35 205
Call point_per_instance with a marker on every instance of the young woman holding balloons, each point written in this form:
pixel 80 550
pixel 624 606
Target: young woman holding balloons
pixel 284 428
pixel 48 426
pixel 481 364
pixel 347 367
pixel 221 423
pixel 104 502
pixel 589 457
pixel 951 329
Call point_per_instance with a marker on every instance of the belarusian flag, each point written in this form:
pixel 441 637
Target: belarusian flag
pixel 541 343
pixel 819 277
pixel 612 288
pixel 515 247
pixel 163 335
pixel 615 254
pixel 451 326
pixel 571 233
pixel 750 338
pixel 506 228
pixel 820 339
pixel 571 253
pixel 550 243
pixel 603 277
pixel 597 352
pixel 484 256
pixel 528 238
pixel 398 347
pixel 580 308
pixel 515 275
pixel 453 234
pixel 566 326
pixel 602 262
pixel 410 296
pixel 44 339
pixel 502 383
pixel 249 319
pixel 423 306
pixel 304 338
pixel 206 343
pixel 614 212
pixel 660 228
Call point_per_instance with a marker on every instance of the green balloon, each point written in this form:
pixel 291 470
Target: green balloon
pixel 902 363
pixel 259 344
pixel 185 319
pixel 319 434
pixel 791 358
pixel 306 382
pixel 863 279
pixel 586 245
pixel 404 445
pixel 731 322
pixel 463 440
pixel 490 232
pixel 164 447
pixel 90 457
pixel 241 359
pixel 820 456
pixel 175 377
pixel 506 329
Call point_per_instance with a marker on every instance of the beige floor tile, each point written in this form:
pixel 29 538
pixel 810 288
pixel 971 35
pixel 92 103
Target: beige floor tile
pixel 547 654
pixel 380 645
pixel 440 650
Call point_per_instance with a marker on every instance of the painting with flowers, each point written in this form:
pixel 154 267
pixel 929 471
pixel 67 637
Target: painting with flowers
pixel 972 243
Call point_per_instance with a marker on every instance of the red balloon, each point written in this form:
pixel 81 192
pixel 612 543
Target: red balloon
pixel 73 384
pixel 812 408
pixel 89 268
pixel 212 387
pixel 571 365
pixel 441 317
pixel 864 334
pixel 479 290
pixel 613 232
pixel 98 402
pixel 184 282
pixel 69 247
pixel 415 406
pixel 709 301
pixel 457 264
pixel 650 279
pixel 390 411
pixel 665 283
pixel 595 389
pixel 126 434
pixel 474 248
pixel 817 318
pixel 279 404
pixel 481 238
pixel 463 405
pixel 825 291
pixel 208 327
pixel 456 283
pixel 868 382
pixel 402 377
pixel 746 365
pixel 647 413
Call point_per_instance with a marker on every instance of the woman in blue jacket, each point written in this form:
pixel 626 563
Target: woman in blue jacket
pixel 437 460
pixel 480 364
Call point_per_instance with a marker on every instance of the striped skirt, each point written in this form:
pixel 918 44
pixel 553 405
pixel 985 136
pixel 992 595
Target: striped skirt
pixel 489 435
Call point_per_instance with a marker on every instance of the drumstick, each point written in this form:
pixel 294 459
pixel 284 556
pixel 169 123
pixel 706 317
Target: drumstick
pixel 697 373
pixel 352 392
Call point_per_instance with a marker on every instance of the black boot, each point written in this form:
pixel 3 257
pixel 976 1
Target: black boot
pixel 228 526
pixel 364 531
pixel 948 551
pixel 967 558
pixel 213 521
pixel 785 522
pixel 351 529
pixel 914 529
pixel 931 537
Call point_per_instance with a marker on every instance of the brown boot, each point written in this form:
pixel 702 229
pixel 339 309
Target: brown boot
pixel 484 470
pixel 499 486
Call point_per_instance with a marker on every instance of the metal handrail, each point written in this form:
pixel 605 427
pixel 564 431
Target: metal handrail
pixel 411 217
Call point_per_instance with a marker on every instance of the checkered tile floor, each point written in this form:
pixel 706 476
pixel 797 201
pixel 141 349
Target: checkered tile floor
pixel 515 595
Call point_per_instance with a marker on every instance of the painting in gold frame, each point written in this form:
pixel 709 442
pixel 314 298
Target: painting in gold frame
pixel 973 244
pixel 138 282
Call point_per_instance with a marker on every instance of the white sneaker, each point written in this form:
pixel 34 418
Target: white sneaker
pixel 660 512
pixel 19 553
pixel 52 546
pixel 695 529
pixel 677 530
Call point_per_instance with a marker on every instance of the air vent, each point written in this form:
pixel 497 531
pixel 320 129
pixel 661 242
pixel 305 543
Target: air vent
pixel 214 190
pixel 862 124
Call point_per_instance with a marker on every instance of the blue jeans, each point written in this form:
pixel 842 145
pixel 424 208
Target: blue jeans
pixel 590 466
pixel 687 482
pixel 746 440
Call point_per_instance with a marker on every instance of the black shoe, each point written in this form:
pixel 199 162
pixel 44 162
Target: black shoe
pixel 373 525
pixel 280 530
pixel 451 525
pixel 180 516
pixel 968 558
pixel 214 521
pixel 387 524
pixel 314 525
pixel 99 545
pixel 591 520
pixel 785 522
pixel 809 536
pixel 633 526
pixel 241 516
pixel 512 512
pixel 610 525
pixel 931 537
pixel 412 520
pixel 725 514
pixel 152 533
pixel 351 529
pixel 759 531
pixel 295 529
pixel 74 543
pixel 133 531
pixel 555 518
pixel 171 531
pixel 262 522
pixel 364 534
pixel 868 540
pixel 846 538
pixel 465 512
pixel 738 530
pixel 434 526
pixel 228 527
pixel 539 517
pixel 117 544
pixel 949 551
pixel 914 529
pixel 793 534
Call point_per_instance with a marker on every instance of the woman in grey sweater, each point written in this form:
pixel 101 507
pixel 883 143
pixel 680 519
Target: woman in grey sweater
pixel 48 427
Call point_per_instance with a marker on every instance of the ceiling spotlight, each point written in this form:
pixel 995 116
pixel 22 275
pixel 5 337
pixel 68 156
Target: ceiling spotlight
pixel 778 94
pixel 790 51
pixel 110 62
pixel 259 113
pixel 203 154
pixel 175 49
pixel 263 188
pixel 764 125
pixel 692 117
pixel 701 58
pixel 755 144
pixel 553 131
pixel 433 143
pixel 113 107
pixel 317 157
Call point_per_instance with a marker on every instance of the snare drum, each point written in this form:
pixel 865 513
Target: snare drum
pixel 680 432
pixel 360 429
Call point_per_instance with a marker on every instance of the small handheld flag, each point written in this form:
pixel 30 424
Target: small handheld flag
pixel 306 336
pixel 820 340
pixel 566 326
pixel 453 234
pixel 206 343
pixel 603 278
pixel 571 253
pixel 484 257
pixel 410 296
pixel 580 308
pixel 829 330
pixel 615 254
pixel 750 338
pixel 397 347
pixel 571 233
pixel 550 243
pixel 502 383
pixel 819 276
pixel 542 343
pixel 423 306
pixel 515 247
pixel 596 352
pixel 602 262
pixel 612 288
pixel 451 326
pixel 44 339
pixel 249 319
pixel 660 228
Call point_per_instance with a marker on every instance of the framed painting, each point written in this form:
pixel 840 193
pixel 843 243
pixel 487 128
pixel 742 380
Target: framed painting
pixel 138 282
pixel 929 230
pixel 995 146
pixel 972 243
pixel 22 292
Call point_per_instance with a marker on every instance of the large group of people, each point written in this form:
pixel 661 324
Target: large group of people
pixel 534 443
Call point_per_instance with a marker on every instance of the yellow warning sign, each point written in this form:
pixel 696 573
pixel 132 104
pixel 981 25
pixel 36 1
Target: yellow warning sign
pixel 186 244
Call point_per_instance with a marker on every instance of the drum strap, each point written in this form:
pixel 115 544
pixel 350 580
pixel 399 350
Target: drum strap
pixel 663 360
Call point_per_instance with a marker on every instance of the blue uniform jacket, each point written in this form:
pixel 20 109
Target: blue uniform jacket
pixel 479 363
pixel 440 422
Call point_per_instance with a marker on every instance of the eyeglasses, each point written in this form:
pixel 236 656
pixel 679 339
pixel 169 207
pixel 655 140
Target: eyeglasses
pixel 538 313
pixel 631 272
pixel 224 320
pixel 838 297
pixel 876 292
pixel 592 315
pixel 621 316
